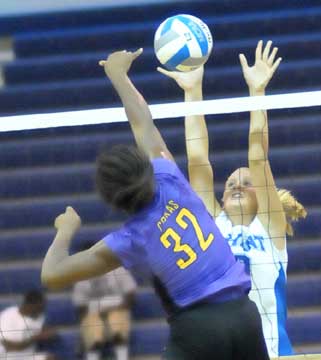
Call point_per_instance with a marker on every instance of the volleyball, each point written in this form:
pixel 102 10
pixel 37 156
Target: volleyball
pixel 183 43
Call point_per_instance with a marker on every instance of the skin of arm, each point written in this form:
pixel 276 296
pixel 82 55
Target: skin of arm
pixel 270 210
pixel 147 136
pixel 60 270
pixel 200 171
pixel 45 334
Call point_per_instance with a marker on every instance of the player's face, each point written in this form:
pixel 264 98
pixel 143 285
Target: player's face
pixel 239 194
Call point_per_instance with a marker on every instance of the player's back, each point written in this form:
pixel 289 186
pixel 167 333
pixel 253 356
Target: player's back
pixel 181 244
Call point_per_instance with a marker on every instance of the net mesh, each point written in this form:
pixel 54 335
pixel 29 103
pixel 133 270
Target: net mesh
pixel 45 170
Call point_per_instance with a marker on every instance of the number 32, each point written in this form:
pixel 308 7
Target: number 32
pixel 170 233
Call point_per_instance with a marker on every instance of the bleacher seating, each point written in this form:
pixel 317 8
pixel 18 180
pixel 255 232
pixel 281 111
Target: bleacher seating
pixel 43 171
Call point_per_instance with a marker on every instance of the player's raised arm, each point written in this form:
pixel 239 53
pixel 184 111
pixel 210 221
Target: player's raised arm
pixel 196 138
pixel 60 270
pixel 146 134
pixel 270 209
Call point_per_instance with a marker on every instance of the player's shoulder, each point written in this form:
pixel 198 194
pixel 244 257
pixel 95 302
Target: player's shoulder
pixel 165 166
pixel 168 172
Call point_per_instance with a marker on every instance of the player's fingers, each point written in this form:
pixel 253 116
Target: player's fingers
pixel 57 219
pixel 276 65
pixel 102 62
pixel 272 56
pixel 258 51
pixel 243 62
pixel 266 51
pixel 137 53
pixel 165 72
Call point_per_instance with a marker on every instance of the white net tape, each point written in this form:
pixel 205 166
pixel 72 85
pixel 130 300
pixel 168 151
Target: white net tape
pixel 300 357
pixel 160 111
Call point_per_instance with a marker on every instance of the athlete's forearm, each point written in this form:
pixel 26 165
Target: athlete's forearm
pixel 197 147
pixel 136 108
pixel 196 134
pixel 195 126
pixel 259 132
pixel 145 132
pixel 57 253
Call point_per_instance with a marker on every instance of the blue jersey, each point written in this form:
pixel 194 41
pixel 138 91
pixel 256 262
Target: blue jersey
pixel 176 240
pixel 267 266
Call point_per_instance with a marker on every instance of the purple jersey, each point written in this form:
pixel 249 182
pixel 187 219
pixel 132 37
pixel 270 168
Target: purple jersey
pixel 176 240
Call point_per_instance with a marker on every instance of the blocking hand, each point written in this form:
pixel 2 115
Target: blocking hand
pixel 119 62
pixel 259 75
pixel 186 80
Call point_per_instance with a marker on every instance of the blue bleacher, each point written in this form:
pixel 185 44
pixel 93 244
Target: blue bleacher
pixel 92 17
pixel 42 171
pixel 147 305
pixel 77 149
pixel 84 65
pixel 97 92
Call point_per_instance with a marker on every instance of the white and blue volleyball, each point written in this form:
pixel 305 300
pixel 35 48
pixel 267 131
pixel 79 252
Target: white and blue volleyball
pixel 183 43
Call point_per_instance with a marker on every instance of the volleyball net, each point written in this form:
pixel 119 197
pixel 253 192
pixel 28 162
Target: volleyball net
pixel 47 164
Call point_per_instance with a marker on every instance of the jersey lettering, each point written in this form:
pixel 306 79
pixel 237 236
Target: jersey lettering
pixel 247 243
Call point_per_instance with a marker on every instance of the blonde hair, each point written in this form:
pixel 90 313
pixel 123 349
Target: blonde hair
pixel 292 208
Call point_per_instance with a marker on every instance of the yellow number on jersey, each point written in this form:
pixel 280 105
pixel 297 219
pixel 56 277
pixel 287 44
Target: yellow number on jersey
pixel 204 243
pixel 181 263
pixel 178 247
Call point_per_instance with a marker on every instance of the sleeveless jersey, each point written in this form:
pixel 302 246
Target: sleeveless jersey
pixel 177 241
pixel 267 267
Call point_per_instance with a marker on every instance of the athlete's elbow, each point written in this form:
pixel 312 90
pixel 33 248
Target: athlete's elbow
pixel 51 280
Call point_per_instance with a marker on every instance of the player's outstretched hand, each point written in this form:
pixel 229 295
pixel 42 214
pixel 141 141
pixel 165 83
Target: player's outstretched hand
pixel 68 221
pixel 119 62
pixel 259 75
pixel 186 80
